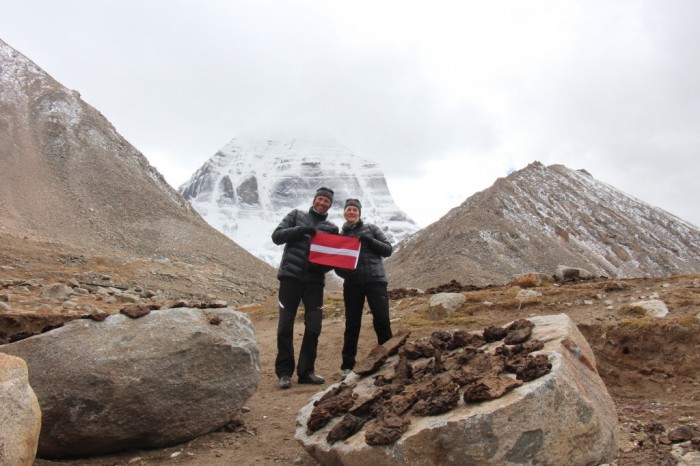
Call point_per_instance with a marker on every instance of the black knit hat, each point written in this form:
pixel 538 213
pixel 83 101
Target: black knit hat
pixel 325 192
pixel 353 202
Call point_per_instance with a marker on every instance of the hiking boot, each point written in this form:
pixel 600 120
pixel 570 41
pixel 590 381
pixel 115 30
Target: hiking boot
pixel 345 374
pixel 285 381
pixel 312 379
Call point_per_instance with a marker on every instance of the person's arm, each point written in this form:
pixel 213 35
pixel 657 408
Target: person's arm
pixel 377 242
pixel 328 227
pixel 288 230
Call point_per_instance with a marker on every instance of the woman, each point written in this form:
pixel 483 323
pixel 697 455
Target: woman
pixel 368 280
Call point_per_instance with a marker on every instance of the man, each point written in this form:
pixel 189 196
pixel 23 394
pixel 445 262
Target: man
pixel 301 281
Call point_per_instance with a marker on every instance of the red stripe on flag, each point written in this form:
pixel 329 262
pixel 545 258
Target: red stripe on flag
pixel 334 250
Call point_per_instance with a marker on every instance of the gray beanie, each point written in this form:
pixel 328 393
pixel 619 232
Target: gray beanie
pixel 353 202
pixel 325 192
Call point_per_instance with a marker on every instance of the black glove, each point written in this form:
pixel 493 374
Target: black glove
pixel 311 231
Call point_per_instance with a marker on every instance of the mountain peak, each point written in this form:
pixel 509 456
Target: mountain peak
pixel 69 178
pixel 538 218
pixel 246 188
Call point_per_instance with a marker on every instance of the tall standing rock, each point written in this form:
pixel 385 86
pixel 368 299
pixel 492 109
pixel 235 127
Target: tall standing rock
pixel 124 383
pixel 20 415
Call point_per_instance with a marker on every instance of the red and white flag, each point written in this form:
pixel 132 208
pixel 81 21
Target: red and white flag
pixel 334 250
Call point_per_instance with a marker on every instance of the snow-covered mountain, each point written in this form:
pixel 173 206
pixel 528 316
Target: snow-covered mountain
pixel 248 186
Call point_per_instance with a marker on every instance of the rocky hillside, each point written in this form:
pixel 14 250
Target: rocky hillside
pixel 541 217
pixel 248 186
pixel 69 178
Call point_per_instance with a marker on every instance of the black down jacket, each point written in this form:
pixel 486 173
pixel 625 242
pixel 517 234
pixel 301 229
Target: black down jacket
pixel 369 264
pixel 295 258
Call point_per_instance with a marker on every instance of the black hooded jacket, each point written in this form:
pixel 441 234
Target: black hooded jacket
pixel 295 258
pixel 369 264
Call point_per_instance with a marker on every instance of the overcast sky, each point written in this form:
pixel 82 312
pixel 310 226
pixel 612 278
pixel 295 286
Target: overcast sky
pixel 447 96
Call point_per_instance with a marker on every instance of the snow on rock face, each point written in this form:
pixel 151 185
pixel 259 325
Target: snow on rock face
pixel 248 186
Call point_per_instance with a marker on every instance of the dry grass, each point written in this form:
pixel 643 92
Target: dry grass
pixel 420 322
pixel 647 323
pixel 632 310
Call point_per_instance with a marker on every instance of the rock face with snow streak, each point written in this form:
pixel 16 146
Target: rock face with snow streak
pixel 125 383
pixel 564 417
pixel 247 187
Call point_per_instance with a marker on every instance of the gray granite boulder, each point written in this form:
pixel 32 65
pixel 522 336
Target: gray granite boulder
pixel 442 305
pixel 125 383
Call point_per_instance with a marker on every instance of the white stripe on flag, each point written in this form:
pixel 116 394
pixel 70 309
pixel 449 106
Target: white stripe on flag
pixel 339 251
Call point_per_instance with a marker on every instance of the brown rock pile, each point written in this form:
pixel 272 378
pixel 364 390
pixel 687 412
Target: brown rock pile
pixel 428 387
pixel 526 392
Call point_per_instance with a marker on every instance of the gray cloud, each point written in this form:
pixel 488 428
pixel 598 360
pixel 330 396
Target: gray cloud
pixel 455 90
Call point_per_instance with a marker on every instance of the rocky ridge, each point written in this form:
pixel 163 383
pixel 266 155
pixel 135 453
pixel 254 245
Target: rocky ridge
pixel 539 218
pixel 46 284
pixel 69 178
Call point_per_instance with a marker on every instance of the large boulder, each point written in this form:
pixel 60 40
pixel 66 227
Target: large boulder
pixel 126 383
pixel 651 307
pixel 56 291
pixel 442 305
pixel 20 416
pixel 564 417
pixel 565 273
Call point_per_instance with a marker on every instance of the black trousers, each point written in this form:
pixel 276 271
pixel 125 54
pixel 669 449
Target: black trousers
pixel 378 299
pixel 291 293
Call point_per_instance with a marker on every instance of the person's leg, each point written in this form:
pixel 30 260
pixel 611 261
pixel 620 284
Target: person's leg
pixel 354 298
pixel 289 298
pixel 312 298
pixel 378 300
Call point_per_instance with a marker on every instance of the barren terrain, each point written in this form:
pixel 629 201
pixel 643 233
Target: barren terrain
pixel 649 365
